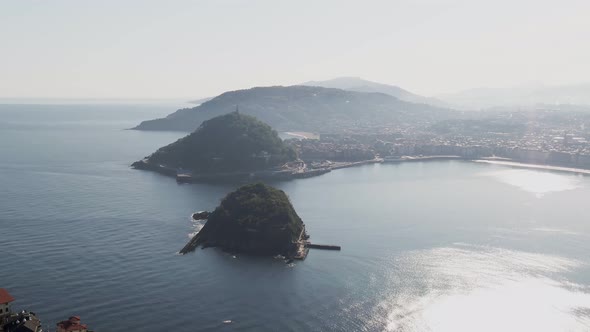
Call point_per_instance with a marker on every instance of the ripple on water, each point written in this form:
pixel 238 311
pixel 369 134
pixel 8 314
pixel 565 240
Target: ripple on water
pixel 83 234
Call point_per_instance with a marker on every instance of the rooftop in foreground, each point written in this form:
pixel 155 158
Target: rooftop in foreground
pixel 5 297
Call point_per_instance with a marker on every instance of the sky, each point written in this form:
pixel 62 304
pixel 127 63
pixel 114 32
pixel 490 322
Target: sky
pixel 193 49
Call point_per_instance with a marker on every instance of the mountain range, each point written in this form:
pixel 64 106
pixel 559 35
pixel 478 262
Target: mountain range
pixel 344 102
pixel 526 96
pixel 301 108
pixel 361 85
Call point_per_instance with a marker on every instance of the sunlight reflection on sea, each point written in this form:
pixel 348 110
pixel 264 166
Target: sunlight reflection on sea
pixel 537 182
pixel 474 288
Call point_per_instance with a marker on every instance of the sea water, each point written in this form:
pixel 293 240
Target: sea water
pixel 426 246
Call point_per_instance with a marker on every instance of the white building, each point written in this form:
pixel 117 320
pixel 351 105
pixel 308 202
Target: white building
pixel 5 300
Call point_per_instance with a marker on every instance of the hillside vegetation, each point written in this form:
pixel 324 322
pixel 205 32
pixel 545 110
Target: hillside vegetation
pixel 302 108
pixel 256 218
pixel 233 142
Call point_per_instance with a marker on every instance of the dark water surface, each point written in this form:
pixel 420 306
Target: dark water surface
pixel 437 246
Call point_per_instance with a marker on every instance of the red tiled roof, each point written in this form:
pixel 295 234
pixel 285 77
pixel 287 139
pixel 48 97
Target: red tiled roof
pixel 75 327
pixel 73 324
pixel 5 297
pixel 68 326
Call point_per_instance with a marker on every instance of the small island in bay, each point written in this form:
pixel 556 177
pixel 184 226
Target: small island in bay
pixel 254 219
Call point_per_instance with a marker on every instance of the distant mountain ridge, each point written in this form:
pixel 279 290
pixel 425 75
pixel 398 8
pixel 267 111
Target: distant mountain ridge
pixel 521 96
pixel 303 108
pixel 200 100
pixel 360 85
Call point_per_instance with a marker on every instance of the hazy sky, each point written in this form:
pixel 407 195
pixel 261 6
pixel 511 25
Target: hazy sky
pixel 167 49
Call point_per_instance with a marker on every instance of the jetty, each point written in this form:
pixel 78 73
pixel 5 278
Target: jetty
pixel 194 242
pixel 323 246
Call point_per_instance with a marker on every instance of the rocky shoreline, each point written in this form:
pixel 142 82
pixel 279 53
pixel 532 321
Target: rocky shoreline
pixel 299 249
pixel 255 219
pixel 183 176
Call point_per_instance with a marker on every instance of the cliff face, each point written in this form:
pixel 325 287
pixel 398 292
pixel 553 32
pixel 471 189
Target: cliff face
pixel 232 142
pixel 256 219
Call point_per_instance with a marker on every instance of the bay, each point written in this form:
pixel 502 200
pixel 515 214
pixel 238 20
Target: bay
pixel 427 246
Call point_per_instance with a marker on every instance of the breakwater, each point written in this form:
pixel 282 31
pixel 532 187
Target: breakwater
pixel 323 246
pixel 194 242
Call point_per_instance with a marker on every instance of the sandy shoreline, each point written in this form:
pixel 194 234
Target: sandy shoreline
pixel 303 134
pixel 534 166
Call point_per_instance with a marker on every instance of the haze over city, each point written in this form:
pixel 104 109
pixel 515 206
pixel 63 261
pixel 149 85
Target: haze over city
pixel 193 49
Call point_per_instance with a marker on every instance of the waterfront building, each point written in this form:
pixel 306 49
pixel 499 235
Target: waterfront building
pixel 73 324
pixel 23 321
pixel 16 322
pixel 5 300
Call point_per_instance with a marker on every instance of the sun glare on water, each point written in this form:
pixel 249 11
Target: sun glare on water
pixel 537 182
pixel 469 288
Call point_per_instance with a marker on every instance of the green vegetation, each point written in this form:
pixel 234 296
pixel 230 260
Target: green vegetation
pixel 232 142
pixel 256 218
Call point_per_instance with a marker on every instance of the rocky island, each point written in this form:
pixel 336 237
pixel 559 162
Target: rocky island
pixel 255 219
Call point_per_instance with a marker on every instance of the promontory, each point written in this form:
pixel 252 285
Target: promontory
pixel 228 146
pixel 304 108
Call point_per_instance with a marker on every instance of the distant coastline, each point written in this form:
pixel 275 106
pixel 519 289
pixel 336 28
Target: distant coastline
pixel 303 134
pixel 421 158
pixel 533 166
pixel 183 176
pixel 490 160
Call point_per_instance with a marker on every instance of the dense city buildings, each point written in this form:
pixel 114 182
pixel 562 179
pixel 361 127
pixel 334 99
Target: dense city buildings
pixel 542 137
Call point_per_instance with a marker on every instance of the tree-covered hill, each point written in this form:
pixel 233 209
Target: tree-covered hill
pixel 233 142
pixel 256 218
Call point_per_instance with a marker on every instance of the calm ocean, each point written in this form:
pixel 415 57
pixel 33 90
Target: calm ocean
pixel 437 246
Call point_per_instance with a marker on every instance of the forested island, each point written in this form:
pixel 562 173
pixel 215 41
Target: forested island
pixel 255 219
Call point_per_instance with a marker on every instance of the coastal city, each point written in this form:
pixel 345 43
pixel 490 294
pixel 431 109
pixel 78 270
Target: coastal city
pixel 541 137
